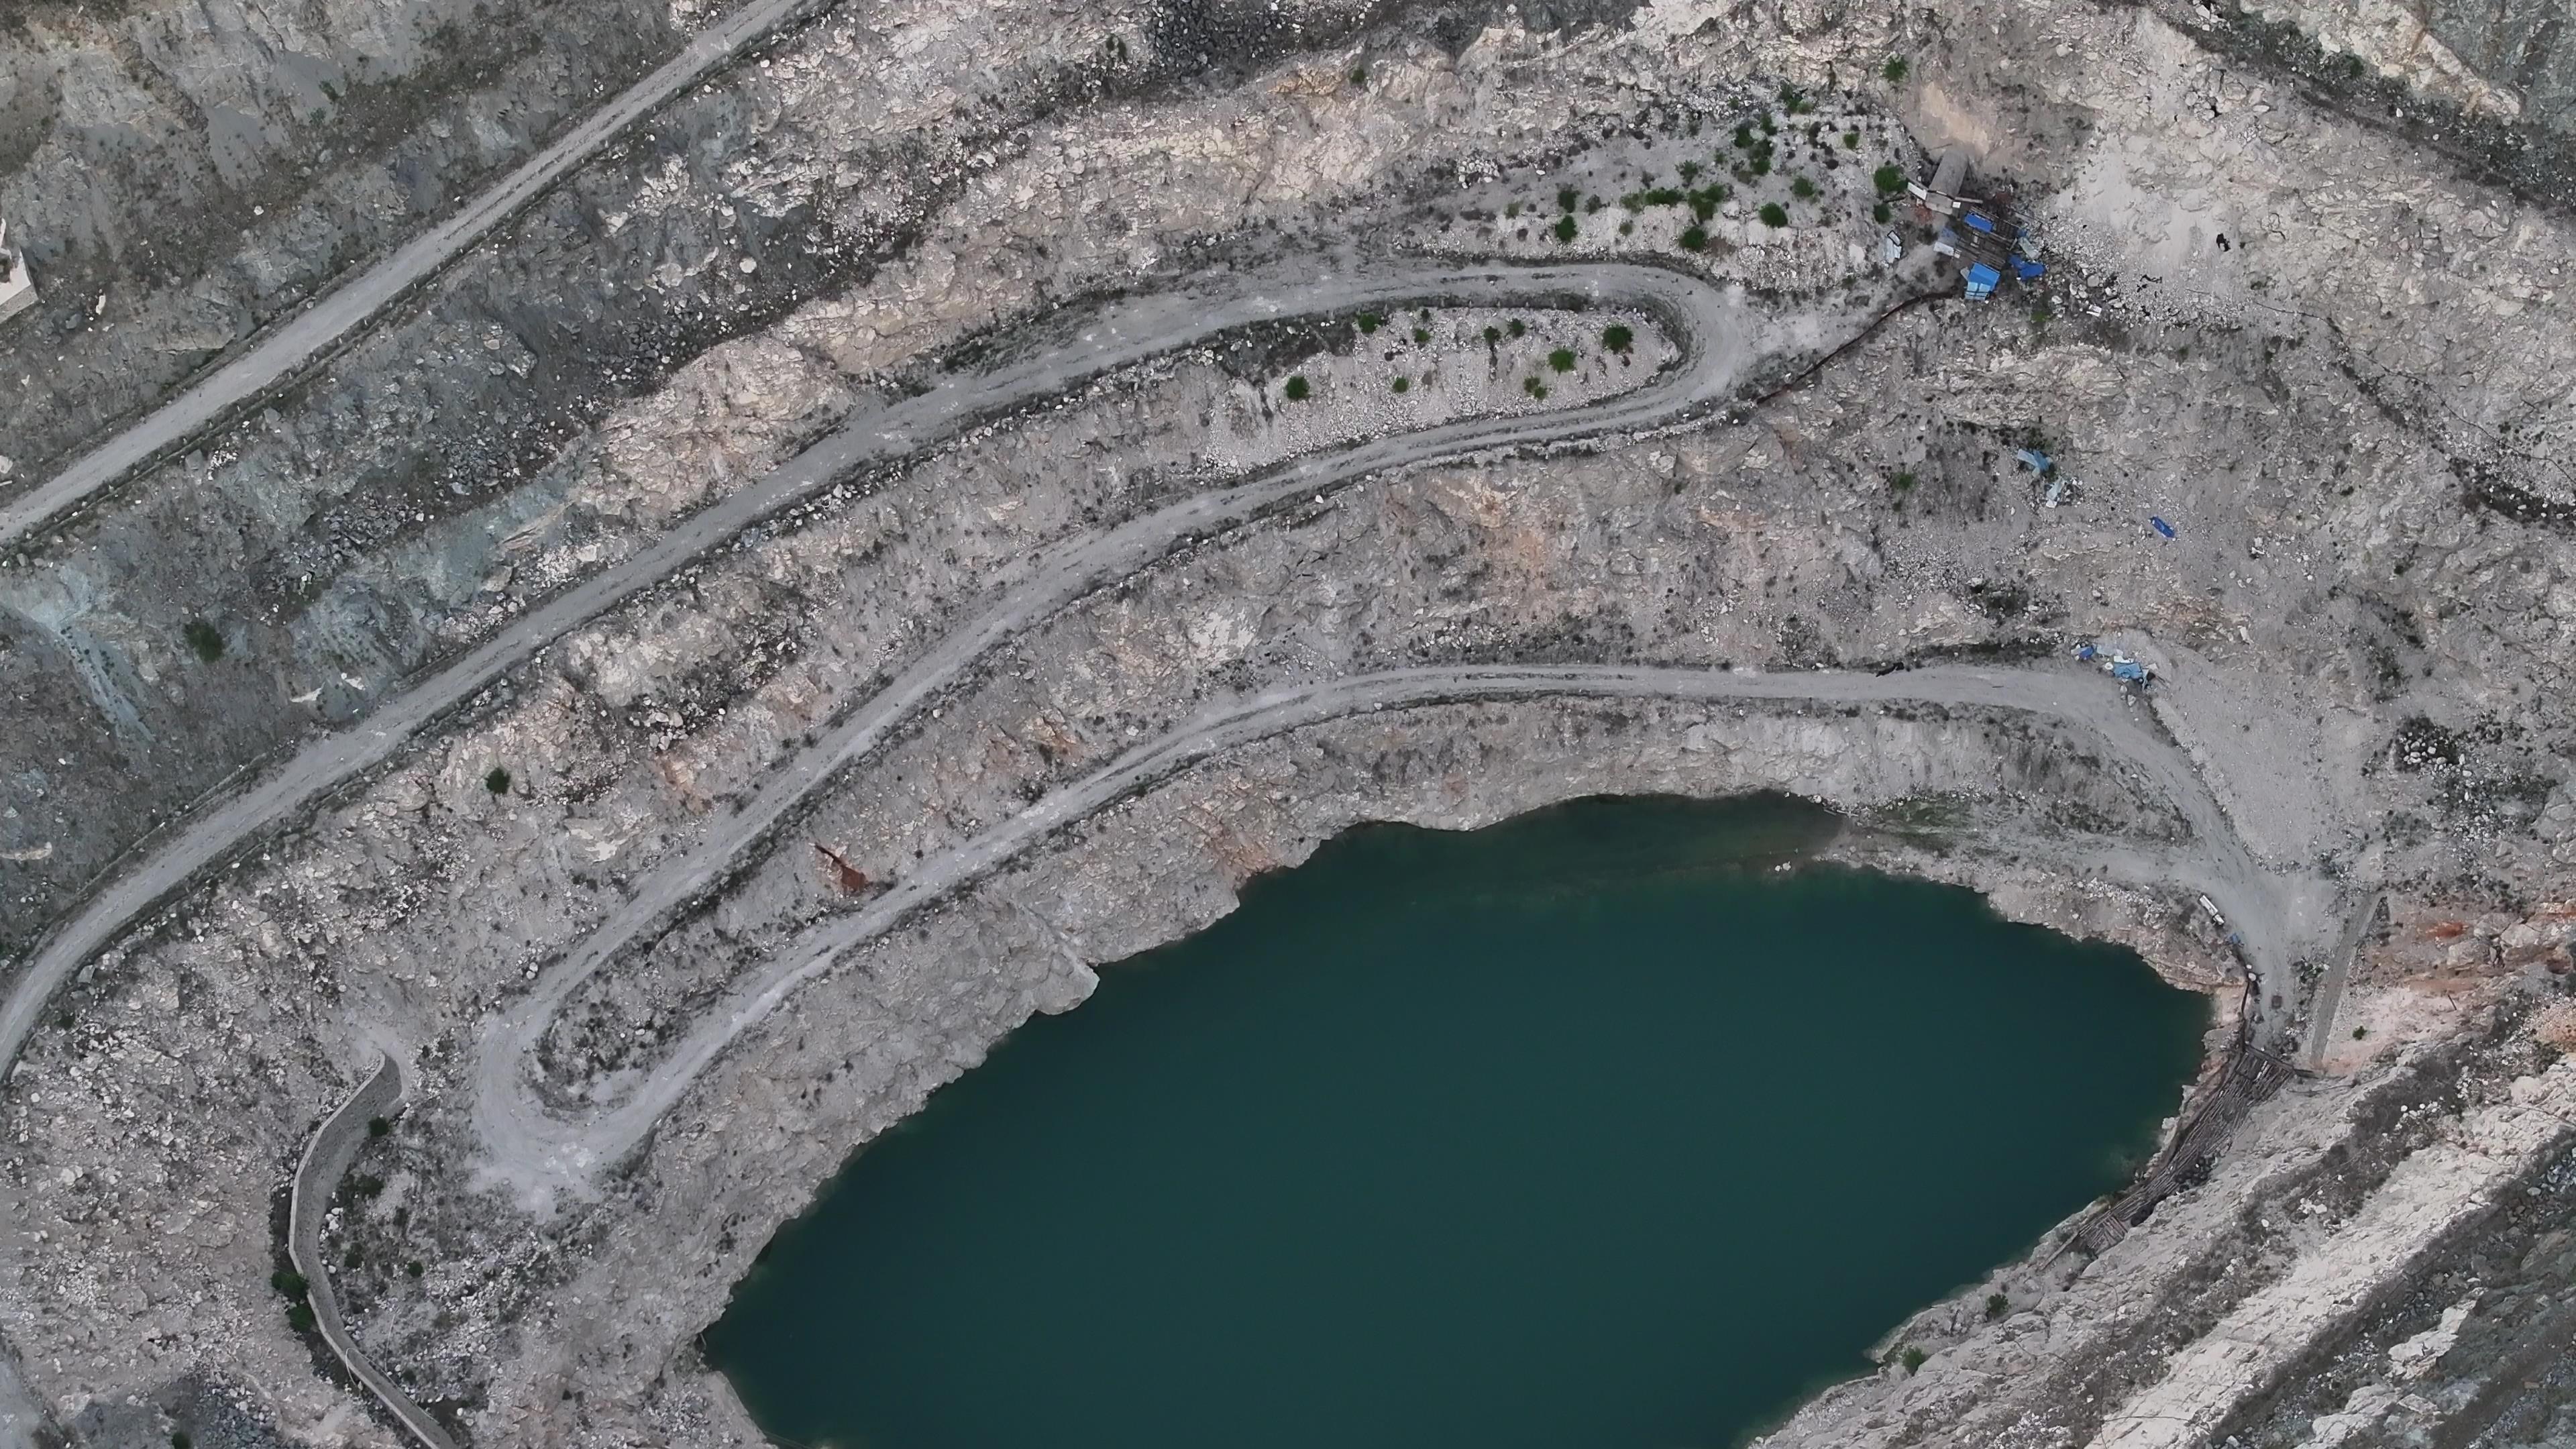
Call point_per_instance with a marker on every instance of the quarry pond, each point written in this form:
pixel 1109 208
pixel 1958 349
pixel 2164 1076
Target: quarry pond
pixel 1622 1125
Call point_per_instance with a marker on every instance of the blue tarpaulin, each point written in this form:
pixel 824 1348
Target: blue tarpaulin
pixel 1982 281
pixel 1979 221
pixel 2162 527
pixel 2035 460
pixel 2084 652
pixel 2129 670
pixel 2028 270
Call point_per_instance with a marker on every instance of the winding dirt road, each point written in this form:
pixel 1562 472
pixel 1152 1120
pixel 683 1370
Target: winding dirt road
pixel 541 1153
pixel 1699 315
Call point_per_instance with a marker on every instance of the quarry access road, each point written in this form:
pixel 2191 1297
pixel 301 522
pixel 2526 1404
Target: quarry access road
pixel 351 303
pixel 1705 323
pixel 541 1153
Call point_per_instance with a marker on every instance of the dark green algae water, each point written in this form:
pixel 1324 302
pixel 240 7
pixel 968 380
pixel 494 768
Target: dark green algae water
pixel 1588 1131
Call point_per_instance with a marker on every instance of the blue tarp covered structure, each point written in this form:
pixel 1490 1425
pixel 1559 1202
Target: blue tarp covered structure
pixel 1982 281
pixel 2162 527
pixel 2035 460
pixel 2028 270
pixel 1979 221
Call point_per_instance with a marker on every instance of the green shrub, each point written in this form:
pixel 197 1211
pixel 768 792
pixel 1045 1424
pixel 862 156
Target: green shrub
pixel 1534 387
pixel 1617 338
pixel 299 1316
pixel 1626 227
pixel 1913 1359
pixel 1359 75
pixel 1421 336
pixel 378 1126
pixel 1694 239
pixel 497 781
pixel 1690 172
pixel 1901 482
pixel 1879 213
pixel 1997 1305
pixel 1803 189
pixel 1562 359
pixel 414 1268
pixel 1889 179
pixel 1567 198
pixel 1851 140
pixel 1894 70
pixel 1564 228
pixel 1370 322
pixel 1774 214
pixel 1402 384
pixel 1515 327
pixel 288 1282
pixel 1493 335
pixel 204 638
pixel 1744 138
pixel 1297 389
pixel 179 1439
pixel 2359 1032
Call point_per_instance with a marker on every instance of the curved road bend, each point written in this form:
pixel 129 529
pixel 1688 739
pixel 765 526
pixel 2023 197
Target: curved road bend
pixel 317 329
pixel 1121 335
pixel 326 1160
pixel 540 1152
pixel 1712 365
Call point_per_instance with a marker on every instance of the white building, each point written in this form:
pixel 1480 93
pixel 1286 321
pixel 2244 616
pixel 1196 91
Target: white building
pixel 17 285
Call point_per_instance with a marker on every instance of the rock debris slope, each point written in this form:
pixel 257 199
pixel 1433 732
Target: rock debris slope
pixel 938 503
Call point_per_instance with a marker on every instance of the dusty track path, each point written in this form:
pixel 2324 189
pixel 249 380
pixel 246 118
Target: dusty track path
pixel 1120 335
pixel 354 300
pixel 542 1153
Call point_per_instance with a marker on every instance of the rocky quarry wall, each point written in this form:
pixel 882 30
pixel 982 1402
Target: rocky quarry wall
pixel 2350 410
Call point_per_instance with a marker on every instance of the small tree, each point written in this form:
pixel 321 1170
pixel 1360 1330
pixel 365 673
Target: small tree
pixel 1564 228
pixel 1562 359
pixel 1997 1305
pixel 1296 390
pixel 1774 214
pixel 1568 198
pixel 378 1126
pixel 1493 335
pixel 1880 214
pixel 1617 338
pixel 1694 239
pixel 204 638
pixel 1894 70
pixel 1889 179
pixel 1515 327
pixel 1402 384
pixel 497 781
pixel 1913 1359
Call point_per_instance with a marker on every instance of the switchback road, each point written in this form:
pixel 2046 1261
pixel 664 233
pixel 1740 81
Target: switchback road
pixel 542 1153
pixel 1700 316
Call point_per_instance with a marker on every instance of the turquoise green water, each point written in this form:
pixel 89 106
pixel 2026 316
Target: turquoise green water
pixel 1587 1131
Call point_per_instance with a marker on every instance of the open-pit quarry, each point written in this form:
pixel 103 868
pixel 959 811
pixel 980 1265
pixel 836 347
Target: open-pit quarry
pixel 597 598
